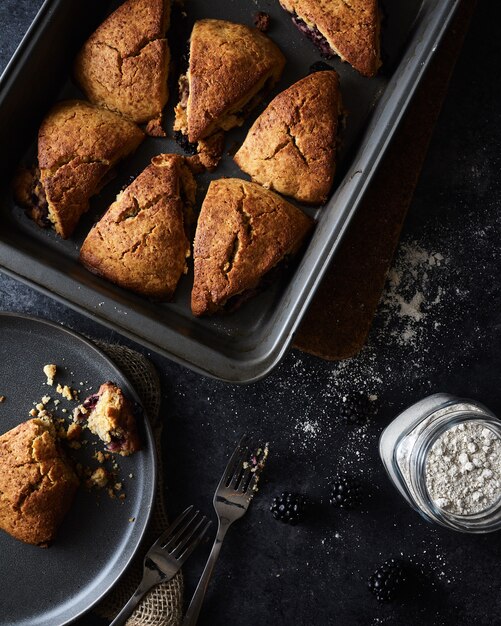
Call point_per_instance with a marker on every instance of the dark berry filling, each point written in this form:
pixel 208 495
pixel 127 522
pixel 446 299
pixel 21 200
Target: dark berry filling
pixel 314 35
pixel 182 140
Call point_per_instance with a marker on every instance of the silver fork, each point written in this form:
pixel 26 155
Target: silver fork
pixel 167 555
pixel 231 501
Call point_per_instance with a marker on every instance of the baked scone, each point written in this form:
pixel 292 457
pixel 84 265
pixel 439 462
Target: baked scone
pixel 243 232
pixel 347 29
pixel 291 147
pixel 141 242
pixel 78 146
pixel 124 65
pixel 231 66
pixel 37 484
pixel 110 415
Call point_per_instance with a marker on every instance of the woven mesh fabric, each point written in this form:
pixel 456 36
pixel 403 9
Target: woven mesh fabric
pixel 163 605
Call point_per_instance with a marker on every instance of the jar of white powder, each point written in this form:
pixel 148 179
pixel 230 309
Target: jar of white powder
pixel 444 456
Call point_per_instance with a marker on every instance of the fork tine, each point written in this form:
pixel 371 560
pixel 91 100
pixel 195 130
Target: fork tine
pixel 174 539
pixel 187 538
pixel 251 486
pixel 189 549
pixel 168 532
pixel 239 470
pixel 232 463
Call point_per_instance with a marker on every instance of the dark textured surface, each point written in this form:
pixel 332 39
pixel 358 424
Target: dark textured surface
pixel 437 329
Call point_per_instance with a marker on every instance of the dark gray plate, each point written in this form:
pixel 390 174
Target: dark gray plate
pixel 243 346
pixel 53 586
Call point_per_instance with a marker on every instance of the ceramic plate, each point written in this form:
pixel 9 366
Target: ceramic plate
pixel 98 538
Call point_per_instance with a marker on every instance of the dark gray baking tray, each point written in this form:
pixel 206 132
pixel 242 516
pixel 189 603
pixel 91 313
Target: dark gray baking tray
pixel 246 345
pixel 96 541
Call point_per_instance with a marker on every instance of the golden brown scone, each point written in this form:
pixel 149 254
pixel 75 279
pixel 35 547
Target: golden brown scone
pixel 78 145
pixel 124 64
pixel 348 29
pixel 291 147
pixel 243 232
pixel 141 242
pixel 37 484
pixel 110 415
pixel 231 66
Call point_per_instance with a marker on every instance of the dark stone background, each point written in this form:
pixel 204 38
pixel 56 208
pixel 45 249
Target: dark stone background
pixel 316 573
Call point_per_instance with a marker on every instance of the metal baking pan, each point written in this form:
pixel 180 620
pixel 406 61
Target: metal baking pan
pixel 246 345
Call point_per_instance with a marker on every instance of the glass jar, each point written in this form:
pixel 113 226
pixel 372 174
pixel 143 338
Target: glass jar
pixel 406 443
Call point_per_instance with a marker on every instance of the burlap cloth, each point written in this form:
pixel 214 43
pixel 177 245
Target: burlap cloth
pixel 163 605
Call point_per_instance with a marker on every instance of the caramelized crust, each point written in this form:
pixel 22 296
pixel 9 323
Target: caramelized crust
pixel 37 485
pixel 78 146
pixel 349 29
pixel 231 66
pixel 291 147
pixel 124 64
pixel 141 242
pixel 243 232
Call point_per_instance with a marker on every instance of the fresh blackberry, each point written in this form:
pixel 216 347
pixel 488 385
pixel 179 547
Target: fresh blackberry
pixel 388 580
pixel 289 508
pixel 346 492
pixel 320 66
pixel 355 409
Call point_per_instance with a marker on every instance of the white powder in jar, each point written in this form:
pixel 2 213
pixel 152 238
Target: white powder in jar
pixel 463 469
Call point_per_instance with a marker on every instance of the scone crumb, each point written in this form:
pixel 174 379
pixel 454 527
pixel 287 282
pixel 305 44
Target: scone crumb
pixel 132 519
pixel 65 392
pixel 2 399
pixel 33 412
pixel 74 432
pixel 99 456
pixel 45 399
pixel 262 21
pixel 50 371
pixel 98 478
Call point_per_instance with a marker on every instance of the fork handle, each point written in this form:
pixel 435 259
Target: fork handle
pixel 127 610
pixel 191 617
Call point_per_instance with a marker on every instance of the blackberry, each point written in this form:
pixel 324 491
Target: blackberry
pixel 346 492
pixel 320 66
pixel 355 409
pixel 388 580
pixel 289 508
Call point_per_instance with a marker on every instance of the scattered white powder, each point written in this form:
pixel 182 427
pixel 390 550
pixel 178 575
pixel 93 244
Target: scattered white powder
pixel 411 291
pixel 463 469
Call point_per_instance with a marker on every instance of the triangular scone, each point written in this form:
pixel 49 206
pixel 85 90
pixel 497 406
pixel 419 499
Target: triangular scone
pixel 37 484
pixel 348 29
pixel 124 64
pixel 291 147
pixel 243 232
pixel 231 67
pixel 140 243
pixel 78 145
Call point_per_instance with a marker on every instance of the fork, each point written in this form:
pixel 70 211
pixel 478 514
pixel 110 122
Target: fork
pixel 231 501
pixel 167 555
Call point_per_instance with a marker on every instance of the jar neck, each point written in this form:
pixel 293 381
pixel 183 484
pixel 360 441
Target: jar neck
pixel 486 520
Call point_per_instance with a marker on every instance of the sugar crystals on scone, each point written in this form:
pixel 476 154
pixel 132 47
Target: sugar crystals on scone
pixel 79 144
pixel 231 67
pixel 142 242
pixel 291 147
pixel 244 231
pixel 349 30
pixel 124 65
